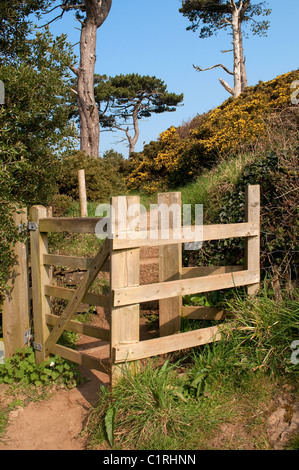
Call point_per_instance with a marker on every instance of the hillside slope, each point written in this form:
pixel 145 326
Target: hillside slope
pixel 253 139
pixel 238 125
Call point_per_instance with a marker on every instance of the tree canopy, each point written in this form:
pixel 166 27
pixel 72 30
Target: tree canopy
pixel 211 16
pixel 34 122
pixel 15 25
pixel 123 100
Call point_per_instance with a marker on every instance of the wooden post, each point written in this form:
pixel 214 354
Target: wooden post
pixel 82 193
pixel 252 244
pixel 125 271
pixel 40 277
pixel 16 312
pixel 170 269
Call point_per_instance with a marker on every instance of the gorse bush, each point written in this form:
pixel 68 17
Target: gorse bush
pixel 238 124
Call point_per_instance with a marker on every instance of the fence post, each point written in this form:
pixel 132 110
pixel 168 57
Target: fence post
pixel 16 311
pixel 40 276
pixel 170 269
pixel 252 244
pixel 125 272
pixel 82 193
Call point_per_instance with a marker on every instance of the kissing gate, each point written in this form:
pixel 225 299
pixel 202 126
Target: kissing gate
pixel 121 253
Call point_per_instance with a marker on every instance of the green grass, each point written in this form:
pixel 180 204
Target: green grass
pixel 188 401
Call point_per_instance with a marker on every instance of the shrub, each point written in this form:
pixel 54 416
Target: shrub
pixel 61 204
pixel 101 175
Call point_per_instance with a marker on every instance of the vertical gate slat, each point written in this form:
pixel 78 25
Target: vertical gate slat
pixel 125 272
pixel 252 244
pixel 170 269
pixel 40 276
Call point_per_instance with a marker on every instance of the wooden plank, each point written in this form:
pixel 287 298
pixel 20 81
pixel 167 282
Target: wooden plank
pixel 82 328
pixel 66 294
pixel 166 344
pixel 170 268
pixel 76 262
pixel 125 266
pixel 40 276
pixel 210 232
pixel 81 359
pixel 15 308
pixel 198 271
pixel 78 296
pixel 203 313
pixel 156 291
pixel 252 244
pixel 69 224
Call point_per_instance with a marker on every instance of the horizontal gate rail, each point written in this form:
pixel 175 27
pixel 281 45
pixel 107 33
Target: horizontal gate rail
pixel 201 271
pixel 166 344
pixel 76 262
pixel 90 298
pixel 203 313
pixel 69 224
pixel 81 328
pixel 81 358
pixel 165 290
pixel 171 236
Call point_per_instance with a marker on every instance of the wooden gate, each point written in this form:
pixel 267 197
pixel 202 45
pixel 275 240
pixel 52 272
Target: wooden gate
pixel 122 253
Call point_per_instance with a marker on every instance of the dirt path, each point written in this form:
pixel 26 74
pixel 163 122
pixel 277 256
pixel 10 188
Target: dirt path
pixel 56 423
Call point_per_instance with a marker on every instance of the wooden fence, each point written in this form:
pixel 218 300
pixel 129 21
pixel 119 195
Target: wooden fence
pixel 121 254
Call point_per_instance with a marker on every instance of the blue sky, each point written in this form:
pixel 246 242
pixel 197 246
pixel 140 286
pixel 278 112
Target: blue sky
pixel 150 38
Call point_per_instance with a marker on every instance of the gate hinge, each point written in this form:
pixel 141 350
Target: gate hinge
pixel 37 346
pixel 32 227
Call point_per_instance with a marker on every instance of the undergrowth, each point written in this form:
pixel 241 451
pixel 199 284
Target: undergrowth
pixel 182 402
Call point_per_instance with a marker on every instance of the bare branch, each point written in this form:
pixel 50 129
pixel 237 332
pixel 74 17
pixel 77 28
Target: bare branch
pixel 213 67
pixel 73 7
pixel 74 70
pixel 227 87
pixel 52 21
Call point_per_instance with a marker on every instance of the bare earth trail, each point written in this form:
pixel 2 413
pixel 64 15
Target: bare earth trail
pixel 55 423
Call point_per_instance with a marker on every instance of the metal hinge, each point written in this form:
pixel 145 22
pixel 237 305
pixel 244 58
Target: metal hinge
pixel 22 228
pixel 37 346
pixel 32 227
pixel 27 337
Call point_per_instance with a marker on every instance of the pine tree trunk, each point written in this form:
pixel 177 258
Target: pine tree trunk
pixel 88 112
pixel 96 13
